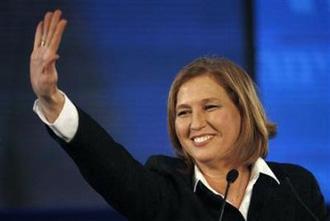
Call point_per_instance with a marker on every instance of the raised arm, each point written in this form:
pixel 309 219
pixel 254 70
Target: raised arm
pixel 43 73
pixel 138 192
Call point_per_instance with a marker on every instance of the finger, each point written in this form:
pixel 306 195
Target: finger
pixel 56 40
pixel 55 18
pixel 46 23
pixel 37 37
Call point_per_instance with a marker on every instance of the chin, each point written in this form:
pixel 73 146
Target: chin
pixel 204 159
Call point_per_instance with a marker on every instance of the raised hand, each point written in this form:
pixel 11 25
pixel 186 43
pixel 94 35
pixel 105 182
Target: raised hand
pixel 43 73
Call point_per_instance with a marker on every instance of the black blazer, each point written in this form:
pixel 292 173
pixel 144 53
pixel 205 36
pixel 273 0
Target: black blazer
pixel 163 188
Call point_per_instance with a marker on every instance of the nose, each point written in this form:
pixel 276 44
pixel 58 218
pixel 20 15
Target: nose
pixel 198 120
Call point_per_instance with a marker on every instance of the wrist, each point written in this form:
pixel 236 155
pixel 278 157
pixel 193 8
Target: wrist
pixel 51 106
pixel 53 100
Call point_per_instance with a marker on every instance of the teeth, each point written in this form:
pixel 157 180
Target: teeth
pixel 201 139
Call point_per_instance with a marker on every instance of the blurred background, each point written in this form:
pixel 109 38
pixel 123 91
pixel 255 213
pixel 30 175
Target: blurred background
pixel 117 61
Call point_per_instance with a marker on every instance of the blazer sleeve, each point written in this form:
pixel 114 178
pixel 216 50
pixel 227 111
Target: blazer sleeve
pixel 124 183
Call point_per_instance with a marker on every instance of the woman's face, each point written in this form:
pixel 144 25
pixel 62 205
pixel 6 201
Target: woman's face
pixel 207 122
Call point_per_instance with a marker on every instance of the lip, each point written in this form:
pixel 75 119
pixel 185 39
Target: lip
pixel 204 139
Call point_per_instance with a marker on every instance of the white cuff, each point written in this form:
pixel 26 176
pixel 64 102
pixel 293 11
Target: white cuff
pixel 66 124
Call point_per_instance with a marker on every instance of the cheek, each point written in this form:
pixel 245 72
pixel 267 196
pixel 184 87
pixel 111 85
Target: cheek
pixel 232 123
pixel 180 129
pixel 218 119
pixel 225 122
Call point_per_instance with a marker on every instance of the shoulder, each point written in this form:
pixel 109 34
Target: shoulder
pixel 293 171
pixel 299 178
pixel 165 163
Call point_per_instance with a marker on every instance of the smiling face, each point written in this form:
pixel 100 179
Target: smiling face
pixel 207 122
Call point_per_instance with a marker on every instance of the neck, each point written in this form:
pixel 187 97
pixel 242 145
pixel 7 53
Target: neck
pixel 216 178
pixel 217 172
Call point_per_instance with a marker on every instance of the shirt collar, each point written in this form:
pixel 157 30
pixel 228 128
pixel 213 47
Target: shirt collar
pixel 260 166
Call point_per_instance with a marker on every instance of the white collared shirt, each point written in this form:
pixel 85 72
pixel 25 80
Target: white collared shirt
pixel 66 126
pixel 260 166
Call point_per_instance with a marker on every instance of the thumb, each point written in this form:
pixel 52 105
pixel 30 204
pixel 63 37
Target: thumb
pixel 51 60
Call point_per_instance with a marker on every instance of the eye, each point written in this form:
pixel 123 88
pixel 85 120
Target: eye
pixel 211 107
pixel 182 113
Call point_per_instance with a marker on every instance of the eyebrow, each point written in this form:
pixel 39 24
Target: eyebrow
pixel 182 106
pixel 205 100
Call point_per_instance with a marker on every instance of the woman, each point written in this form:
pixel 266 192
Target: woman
pixel 216 123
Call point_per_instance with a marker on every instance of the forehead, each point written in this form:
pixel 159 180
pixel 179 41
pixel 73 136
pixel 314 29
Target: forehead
pixel 200 88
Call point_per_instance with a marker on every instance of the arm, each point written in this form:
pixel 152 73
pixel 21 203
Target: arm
pixel 122 181
pixel 106 165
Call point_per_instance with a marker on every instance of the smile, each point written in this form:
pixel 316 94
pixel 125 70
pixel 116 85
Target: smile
pixel 202 139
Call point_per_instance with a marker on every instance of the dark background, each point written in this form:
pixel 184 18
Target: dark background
pixel 118 59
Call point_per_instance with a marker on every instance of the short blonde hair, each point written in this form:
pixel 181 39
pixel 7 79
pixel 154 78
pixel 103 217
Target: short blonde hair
pixel 252 142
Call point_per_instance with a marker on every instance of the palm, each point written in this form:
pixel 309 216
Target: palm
pixel 43 77
pixel 43 72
